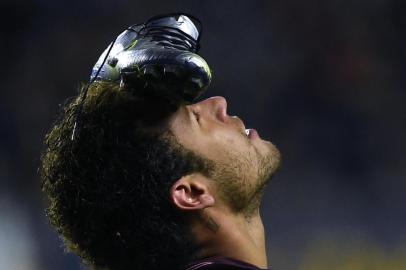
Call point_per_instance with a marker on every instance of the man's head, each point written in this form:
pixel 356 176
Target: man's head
pixel 243 162
pixel 118 192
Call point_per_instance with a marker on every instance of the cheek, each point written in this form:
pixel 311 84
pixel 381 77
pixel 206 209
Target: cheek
pixel 226 143
pixel 227 138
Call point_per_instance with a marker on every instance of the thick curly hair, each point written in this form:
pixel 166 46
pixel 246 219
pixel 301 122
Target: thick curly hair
pixel 108 189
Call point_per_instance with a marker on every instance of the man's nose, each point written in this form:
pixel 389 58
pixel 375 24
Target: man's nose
pixel 216 105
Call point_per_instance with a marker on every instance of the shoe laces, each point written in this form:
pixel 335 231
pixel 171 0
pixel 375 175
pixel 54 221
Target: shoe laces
pixel 171 37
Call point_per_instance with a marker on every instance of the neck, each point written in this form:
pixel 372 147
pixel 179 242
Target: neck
pixel 230 235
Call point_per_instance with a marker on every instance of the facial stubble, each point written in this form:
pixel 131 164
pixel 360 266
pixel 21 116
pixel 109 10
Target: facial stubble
pixel 241 179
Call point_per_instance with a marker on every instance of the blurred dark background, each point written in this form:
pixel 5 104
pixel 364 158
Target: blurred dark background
pixel 324 80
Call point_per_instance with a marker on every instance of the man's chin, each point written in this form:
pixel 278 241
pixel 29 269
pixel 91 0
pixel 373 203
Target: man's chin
pixel 275 159
pixel 270 162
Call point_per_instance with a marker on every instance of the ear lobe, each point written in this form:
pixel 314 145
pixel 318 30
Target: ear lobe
pixel 190 194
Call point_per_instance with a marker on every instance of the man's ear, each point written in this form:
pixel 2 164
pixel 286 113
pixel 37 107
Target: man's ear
pixel 191 192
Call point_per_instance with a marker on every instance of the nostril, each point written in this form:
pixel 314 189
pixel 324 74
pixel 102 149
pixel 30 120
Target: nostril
pixel 222 116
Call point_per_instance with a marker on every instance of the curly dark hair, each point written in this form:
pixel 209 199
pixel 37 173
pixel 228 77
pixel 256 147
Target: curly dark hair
pixel 108 189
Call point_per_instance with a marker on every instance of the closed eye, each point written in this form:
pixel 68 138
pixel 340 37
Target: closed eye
pixel 197 115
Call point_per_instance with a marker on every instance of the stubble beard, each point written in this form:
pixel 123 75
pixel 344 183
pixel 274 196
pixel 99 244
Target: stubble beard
pixel 242 179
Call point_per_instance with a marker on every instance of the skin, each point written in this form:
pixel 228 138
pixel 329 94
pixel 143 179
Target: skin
pixel 223 208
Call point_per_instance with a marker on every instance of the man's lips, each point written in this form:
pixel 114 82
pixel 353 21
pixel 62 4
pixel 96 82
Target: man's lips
pixel 252 133
pixel 249 132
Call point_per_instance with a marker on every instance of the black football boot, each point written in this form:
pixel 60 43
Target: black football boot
pixel 158 59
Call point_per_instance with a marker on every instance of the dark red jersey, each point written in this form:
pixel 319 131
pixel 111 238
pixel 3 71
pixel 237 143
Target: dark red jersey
pixel 220 263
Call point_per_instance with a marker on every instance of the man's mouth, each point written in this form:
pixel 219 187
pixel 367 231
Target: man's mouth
pixel 251 133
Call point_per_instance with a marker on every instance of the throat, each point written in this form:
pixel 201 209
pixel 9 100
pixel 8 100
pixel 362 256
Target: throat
pixel 234 237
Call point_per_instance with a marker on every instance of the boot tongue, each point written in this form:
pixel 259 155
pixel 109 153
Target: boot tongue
pixel 187 26
pixel 183 23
